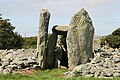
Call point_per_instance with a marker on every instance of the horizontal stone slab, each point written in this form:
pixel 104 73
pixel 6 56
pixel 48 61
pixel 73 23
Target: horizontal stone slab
pixel 60 30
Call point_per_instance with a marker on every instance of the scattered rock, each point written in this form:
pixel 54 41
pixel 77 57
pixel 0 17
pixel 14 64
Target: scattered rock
pixel 17 59
pixel 103 65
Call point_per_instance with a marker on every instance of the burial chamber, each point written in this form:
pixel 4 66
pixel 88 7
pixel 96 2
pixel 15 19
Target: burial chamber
pixel 67 46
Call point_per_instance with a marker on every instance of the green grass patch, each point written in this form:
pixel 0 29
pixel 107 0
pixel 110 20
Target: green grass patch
pixel 54 74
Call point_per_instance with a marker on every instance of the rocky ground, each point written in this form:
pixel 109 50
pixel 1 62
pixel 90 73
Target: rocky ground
pixel 105 64
pixel 12 61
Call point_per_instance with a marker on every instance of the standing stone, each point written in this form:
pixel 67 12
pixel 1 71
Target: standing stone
pixel 79 39
pixel 50 56
pixel 42 37
pixel 97 42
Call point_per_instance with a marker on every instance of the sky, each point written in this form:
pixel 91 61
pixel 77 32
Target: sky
pixel 24 14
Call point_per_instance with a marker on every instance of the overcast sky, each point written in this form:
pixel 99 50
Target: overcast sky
pixel 24 14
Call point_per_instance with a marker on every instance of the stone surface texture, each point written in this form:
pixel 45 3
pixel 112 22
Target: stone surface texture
pixel 12 60
pixel 105 64
pixel 80 39
pixel 60 30
pixel 42 37
pixel 50 56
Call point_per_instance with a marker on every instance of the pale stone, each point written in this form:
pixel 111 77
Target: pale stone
pixel 60 30
pixel 6 71
pixel 42 37
pixel 97 42
pixel 108 72
pixel 116 74
pixel 1 70
pixel 79 39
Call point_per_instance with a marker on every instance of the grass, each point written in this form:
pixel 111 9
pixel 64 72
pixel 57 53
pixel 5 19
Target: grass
pixel 45 75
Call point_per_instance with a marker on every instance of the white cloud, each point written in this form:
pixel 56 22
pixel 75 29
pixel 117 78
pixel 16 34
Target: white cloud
pixel 66 7
pixel 101 2
pixel 62 10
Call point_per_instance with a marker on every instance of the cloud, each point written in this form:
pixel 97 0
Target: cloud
pixel 59 7
pixel 61 11
pixel 100 2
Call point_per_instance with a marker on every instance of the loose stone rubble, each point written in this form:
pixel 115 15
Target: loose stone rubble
pixel 13 60
pixel 106 63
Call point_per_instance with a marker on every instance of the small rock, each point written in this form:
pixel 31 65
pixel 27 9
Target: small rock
pixel 6 71
pixel 108 72
pixel 36 67
pixel 6 63
pixel 105 54
pixel 97 73
pixel 116 75
pixel 9 55
pixel 97 59
pixel 13 67
pixel 1 70
pixel 88 75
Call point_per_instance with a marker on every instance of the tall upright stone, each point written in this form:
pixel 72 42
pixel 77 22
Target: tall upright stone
pixel 42 37
pixel 50 61
pixel 79 39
